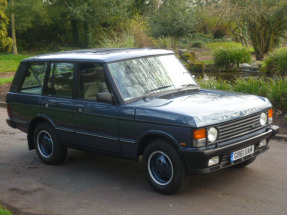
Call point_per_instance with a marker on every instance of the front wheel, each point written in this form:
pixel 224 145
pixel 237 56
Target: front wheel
pixel 164 169
pixel 47 144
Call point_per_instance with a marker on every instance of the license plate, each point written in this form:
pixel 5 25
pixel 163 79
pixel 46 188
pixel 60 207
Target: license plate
pixel 242 153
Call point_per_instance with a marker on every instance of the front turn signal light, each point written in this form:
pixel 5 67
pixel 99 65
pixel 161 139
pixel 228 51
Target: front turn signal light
pixel 270 116
pixel 199 134
pixel 199 138
pixel 270 113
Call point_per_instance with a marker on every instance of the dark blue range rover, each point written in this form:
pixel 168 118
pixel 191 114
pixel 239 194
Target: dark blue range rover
pixel 132 103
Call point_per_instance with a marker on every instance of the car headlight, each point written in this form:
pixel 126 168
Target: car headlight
pixel 263 119
pixel 212 134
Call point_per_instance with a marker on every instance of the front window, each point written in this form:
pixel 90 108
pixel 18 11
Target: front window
pixel 91 81
pixel 144 76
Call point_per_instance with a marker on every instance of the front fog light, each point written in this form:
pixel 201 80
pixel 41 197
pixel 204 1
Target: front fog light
pixel 212 134
pixel 263 119
pixel 262 143
pixel 213 161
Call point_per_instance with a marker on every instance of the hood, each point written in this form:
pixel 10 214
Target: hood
pixel 200 108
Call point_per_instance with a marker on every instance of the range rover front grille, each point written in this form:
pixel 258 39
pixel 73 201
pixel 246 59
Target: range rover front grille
pixel 238 127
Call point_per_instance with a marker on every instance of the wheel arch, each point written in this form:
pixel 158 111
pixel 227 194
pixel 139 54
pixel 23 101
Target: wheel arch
pixel 146 138
pixel 32 126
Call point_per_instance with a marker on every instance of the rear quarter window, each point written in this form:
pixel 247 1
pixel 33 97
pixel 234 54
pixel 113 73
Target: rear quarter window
pixel 34 78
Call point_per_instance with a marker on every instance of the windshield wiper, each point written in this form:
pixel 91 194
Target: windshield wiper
pixel 159 88
pixel 187 85
pixel 155 89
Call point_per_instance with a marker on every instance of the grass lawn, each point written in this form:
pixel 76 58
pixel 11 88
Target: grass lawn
pixel 4 212
pixel 216 45
pixel 6 80
pixel 208 61
pixel 10 62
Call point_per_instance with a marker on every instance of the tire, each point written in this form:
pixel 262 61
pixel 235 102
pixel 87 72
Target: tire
pixel 48 146
pixel 244 163
pixel 164 169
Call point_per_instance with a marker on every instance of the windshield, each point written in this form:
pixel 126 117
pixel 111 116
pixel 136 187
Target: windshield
pixel 143 76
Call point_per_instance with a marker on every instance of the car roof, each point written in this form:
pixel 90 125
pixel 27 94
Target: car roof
pixel 99 55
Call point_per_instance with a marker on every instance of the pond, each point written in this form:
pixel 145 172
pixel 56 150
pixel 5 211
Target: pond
pixel 228 76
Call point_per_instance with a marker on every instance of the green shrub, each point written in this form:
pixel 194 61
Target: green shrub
pixel 276 62
pixel 197 44
pixel 286 118
pixel 125 40
pixel 164 43
pixel 196 40
pixel 4 212
pixel 213 83
pixel 251 85
pixel 191 63
pixel 139 26
pixel 274 89
pixel 228 58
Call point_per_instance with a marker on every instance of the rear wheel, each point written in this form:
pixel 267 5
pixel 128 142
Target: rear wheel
pixel 47 144
pixel 164 169
pixel 244 163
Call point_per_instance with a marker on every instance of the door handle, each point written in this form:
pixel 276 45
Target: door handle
pixel 79 109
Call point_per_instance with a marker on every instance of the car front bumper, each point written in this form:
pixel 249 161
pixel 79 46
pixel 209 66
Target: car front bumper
pixel 197 160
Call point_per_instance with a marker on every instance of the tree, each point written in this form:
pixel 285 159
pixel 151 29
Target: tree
pixel 28 19
pixel 266 23
pixel 89 18
pixel 174 18
pixel 14 49
pixel 5 41
pixel 265 20
pixel 52 24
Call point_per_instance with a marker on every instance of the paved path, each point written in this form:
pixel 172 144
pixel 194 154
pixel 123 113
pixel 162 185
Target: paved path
pixel 95 184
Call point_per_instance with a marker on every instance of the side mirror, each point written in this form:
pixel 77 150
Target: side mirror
pixel 106 97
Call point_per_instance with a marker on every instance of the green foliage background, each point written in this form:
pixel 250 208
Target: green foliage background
pixel 5 41
pixel 275 89
pixel 4 212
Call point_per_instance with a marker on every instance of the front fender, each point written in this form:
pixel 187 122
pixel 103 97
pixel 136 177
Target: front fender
pixel 146 137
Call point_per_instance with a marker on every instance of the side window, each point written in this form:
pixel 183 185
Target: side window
pixel 60 81
pixel 91 81
pixel 34 78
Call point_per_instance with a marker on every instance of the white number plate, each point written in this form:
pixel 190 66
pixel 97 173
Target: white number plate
pixel 241 153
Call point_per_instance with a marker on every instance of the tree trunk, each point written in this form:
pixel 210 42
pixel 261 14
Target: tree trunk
pixel 243 39
pixel 87 35
pixel 13 28
pixel 75 29
pixel 174 44
pixel 259 55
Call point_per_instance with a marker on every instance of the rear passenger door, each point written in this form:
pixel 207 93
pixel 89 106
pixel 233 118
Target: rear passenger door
pixel 57 101
pixel 96 124
pixel 27 96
